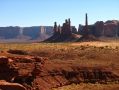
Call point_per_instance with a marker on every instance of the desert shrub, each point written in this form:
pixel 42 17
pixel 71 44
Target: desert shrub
pixel 102 47
pixel 19 52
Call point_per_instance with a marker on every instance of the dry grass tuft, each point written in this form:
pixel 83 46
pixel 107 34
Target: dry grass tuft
pixel 90 87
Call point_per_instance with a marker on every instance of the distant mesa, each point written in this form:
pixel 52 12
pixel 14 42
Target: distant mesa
pixel 25 34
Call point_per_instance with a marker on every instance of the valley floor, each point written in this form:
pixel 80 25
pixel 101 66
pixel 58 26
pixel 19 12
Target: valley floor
pixel 89 87
pixel 89 54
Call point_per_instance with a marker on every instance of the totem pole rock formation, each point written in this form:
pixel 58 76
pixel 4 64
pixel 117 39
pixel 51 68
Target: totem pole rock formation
pixel 68 33
pixel 86 35
pixel 66 29
pixel 55 29
pixel 63 33
pixel 86 26
pixel 59 30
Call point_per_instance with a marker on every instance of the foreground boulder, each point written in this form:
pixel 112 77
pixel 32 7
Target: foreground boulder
pixel 10 86
pixel 7 71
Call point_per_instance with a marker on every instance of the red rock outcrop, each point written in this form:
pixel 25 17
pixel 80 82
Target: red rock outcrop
pixel 20 70
pixel 37 73
pixel 6 69
pixel 58 77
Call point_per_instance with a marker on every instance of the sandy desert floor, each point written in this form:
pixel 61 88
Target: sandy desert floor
pixel 89 54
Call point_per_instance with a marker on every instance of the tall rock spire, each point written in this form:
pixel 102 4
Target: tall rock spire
pixel 86 25
pixel 55 28
pixel 86 20
pixel 59 29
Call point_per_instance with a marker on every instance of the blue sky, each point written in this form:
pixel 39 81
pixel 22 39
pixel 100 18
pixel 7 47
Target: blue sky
pixel 45 12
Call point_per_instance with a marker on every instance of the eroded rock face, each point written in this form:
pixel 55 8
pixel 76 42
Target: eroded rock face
pixel 99 28
pixel 37 73
pixel 66 76
pixel 9 32
pixel 111 28
pixel 108 29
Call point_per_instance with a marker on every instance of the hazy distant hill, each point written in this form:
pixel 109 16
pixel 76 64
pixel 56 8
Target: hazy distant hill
pixel 9 32
pixel 20 34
